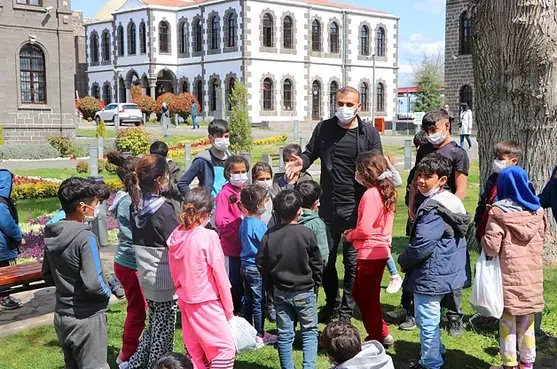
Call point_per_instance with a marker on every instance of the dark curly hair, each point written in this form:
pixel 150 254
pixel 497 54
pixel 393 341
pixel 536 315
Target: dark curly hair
pixel 371 165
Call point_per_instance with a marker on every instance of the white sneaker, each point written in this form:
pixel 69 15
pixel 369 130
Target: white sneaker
pixel 259 342
pixel 123 365
pixel 395 284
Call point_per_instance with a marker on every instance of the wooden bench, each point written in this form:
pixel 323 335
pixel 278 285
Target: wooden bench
pixel 18 278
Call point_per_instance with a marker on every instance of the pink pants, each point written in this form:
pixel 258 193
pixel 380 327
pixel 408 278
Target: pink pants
pixel 207 335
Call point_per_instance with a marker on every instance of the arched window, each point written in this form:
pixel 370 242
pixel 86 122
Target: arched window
pixel 105 46
pixel 107 93
pixel 32 75
pixel 334 39
pixel 232 30
pixel 215 85
pixel 186 87
pixel 199 93
pixel 215 33
pixel 364 41
pixel 198 36
pixel 95 91
pixel 182 38
pixel 267 94
pixel 381 106
pixel 287 33
pixel 467 95
pixel 333 90
pixel 465 34
pixel 164 37
pixel 132 39
pixel 142 38
pixel 267 30
pixel 380 42
pixel 94 48
pixel 287 94
pixel 364 96
pixel 230 88
pixel 120 35
pixel 316 101
pixel 316 36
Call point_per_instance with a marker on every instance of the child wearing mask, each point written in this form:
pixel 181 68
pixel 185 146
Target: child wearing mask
pixel 262 174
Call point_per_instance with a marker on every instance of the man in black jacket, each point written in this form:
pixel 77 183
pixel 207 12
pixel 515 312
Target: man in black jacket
pixel 338 142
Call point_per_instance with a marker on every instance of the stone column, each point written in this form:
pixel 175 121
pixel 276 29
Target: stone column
pixel 152 86
pixel 128 92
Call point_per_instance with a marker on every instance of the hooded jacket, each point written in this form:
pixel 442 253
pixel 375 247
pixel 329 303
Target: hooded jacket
pixel 197 265
pixel 120 209
pixel 437 260
pixel 280 183
pixel 228 218
pixel 152 224
pixel 9 229
pixel 548 197
pixel 311 220
pixel 174 195
pixel 209 176
pixel 372 356
pixel 72 263
pixel 517 237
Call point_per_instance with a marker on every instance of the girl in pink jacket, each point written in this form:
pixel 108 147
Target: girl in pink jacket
pixel 228 219
pixel 372 240
pixel 198 271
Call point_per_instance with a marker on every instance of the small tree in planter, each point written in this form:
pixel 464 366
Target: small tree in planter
pixel 181 105
pixel 101 129
pixel 145 104
pixel 167 98
pixel 88 106
pixel 241 139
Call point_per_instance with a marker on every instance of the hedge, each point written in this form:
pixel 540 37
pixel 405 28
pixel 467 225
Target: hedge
pixel 49 189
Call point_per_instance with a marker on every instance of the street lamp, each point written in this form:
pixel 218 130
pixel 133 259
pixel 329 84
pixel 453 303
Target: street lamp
pixel 372 57
pixel 117 122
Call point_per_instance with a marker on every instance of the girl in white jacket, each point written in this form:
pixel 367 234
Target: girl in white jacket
pixel 465 125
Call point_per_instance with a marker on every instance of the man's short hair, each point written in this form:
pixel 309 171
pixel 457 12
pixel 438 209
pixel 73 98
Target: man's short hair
pixel 287 204
pixel 349 90
pixel 435 163
pixel 159 148
pixel 430 119
pixel 510 148
pixel 103 192
pixel 173 361
pixel 74 191
pixel 291 149
pixel 310 192
pixel 218 127
pixel 341 341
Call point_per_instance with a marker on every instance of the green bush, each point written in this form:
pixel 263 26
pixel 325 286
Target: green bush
pixel 64 146
pixel 101 130
pixel 83 145
pixel 45 190
pixel 30 152
pixel 88 106
pixel 101 165
pixel 82 166
pixel 110 168
pixel 134 140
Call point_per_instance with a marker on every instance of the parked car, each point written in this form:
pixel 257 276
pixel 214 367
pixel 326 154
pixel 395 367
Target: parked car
pixel 129 113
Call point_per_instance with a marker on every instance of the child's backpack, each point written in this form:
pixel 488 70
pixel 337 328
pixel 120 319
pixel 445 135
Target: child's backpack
pixel 12 245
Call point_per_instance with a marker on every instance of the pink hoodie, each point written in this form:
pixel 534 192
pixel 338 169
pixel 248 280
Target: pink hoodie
pixel 197 267
pixel 228 219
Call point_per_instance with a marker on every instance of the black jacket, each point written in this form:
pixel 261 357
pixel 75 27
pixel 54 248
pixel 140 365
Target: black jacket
pixel 322 146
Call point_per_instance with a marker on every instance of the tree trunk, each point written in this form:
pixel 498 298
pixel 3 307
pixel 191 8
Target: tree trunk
pixel 515 77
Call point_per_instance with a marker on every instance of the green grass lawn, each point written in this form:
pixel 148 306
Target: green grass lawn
pixel 172 141
pixel 38 348
pixel 36 207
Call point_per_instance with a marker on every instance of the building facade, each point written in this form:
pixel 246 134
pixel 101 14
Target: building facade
pixel 37 68
pixel 459 74
pixel 293 55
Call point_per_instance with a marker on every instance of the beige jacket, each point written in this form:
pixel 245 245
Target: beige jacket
pixel 517 237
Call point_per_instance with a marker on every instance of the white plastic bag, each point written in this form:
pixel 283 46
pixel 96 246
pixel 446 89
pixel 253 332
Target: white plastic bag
pixel 487 290
pixel 244 334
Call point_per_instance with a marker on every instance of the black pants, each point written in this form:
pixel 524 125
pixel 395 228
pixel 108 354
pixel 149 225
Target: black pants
pixel 452 302
pixel 345 305
pixel 6 263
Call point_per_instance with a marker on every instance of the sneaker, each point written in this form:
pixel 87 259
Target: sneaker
pixel 388 341
pixel 522 365
pixel 9 303
pixel 116 288
pixel 470 149
pixel 456 328
pixel 397 316
pixel 270 339
pixel 395 284
pixel 123 365
pixel 409 324
pixel 417 366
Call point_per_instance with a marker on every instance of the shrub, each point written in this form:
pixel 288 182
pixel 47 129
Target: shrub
pixel 241 139
pixel 110 168
pixel 101 165
pixel 135 91
pixel 30 152
pixel 134 140
pixel 88 106
pixel 1 135
pixel 145 103
pixel 181 104
pixel 83 145
pixel 101 130
pixel 82 166
pixel 49 189
pixel 168 98
pixel 64 146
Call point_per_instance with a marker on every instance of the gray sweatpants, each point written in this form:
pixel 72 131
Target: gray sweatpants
pixel 84 341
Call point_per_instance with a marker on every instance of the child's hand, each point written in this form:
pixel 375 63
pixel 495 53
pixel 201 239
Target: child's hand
pixel 23 242
pixel 345 234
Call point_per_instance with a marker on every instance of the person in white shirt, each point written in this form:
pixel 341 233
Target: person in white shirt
pixel 465 125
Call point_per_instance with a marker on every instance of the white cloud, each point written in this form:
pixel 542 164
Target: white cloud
pixel 430 6
pixel 413 48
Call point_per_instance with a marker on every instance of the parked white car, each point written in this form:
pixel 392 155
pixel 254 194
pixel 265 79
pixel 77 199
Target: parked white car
pixel 129 113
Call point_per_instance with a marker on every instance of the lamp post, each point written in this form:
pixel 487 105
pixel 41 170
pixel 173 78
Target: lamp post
pixel 372 57
pixel 117 122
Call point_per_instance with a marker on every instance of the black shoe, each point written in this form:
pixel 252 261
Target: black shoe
pixel 417 366
pixel 456 328
pixel 325 315
pixel 396 316
pixel 409 324
pixel 9 303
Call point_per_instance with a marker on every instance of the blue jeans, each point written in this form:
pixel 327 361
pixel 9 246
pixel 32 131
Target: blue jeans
pixel 254 296
pixel 467 137
pixel 194 121
pixel 300 306
pixel 428 317
pixel 392 266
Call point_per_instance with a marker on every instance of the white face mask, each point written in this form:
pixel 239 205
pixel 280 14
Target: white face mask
pixel 261 211
pixel 165 188
pixel 431 192
pixel 96 211
pixel 499 165
pixel 268 184
pixel 436 138
pixel 239 179
pixel 345 115
pixel 222 144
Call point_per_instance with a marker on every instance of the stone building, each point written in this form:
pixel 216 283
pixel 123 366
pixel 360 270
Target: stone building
pixel 37 69
pixel 293 55
pixel 459 76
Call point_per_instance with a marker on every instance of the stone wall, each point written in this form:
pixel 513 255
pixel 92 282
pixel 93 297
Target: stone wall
pixel 34 126
pixel 80 78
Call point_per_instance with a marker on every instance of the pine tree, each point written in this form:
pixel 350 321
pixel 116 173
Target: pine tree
pixel 429 97
pixel 241 139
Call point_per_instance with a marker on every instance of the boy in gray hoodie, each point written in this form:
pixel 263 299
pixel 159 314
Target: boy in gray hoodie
pixel 72 263
pixel 343 345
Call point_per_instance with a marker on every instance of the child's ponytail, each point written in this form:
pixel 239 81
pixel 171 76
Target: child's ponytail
pixel 198 205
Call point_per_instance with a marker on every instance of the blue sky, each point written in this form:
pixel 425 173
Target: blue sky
pixel 422 26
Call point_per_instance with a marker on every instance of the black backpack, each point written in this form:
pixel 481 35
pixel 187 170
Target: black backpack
pixel 12 245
